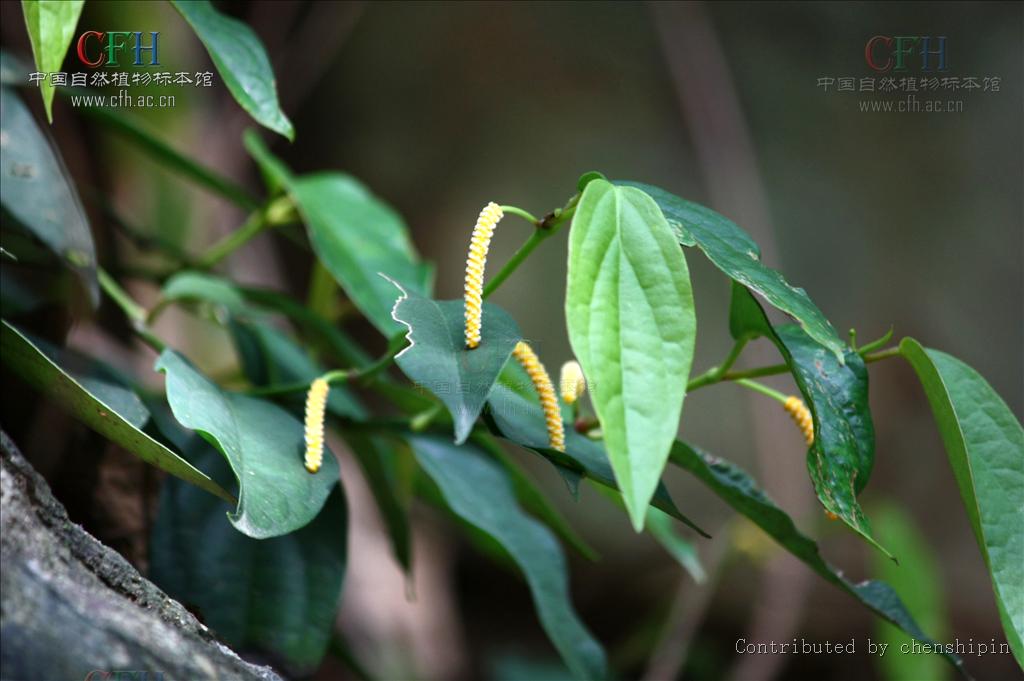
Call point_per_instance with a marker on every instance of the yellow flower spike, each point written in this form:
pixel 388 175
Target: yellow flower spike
pixel 479 243
pixel 571 382
pixel 525 355
pixel 316 404
pixel 801 416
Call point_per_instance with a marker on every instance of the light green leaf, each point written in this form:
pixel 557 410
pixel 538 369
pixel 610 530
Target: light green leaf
pixel 262 442
pixel 241 61
pixel 739 491
pixel 38 370
pixel 37 191
pixel 276 596
pixel 515 414
pixel 51 25
pixel 843 454
pixel 437 358
pixel 985 445
pixel 732 250
pixel 477 490
pixel 632 325
pixel 917 578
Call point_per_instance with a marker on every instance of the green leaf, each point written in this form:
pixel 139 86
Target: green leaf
pixel 262 442
pixel 358 237
pixel 917 578
pixel 739 491
pixel 241 61
pixel 36 190
pixel 270 357
pixel 276 596
pixel 477 490
pixel 515 414
pixel 843 454
pixel 198 286
pixel 732 250
pixel 391 475
pixel 437 358
pixel 632 325
pixel 985 446
pixel 39 371
pixel 51 25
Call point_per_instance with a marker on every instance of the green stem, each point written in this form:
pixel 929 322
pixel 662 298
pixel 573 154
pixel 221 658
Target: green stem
pixel 715 373
pixel 136 313
pixel 161 151
pixel 513 264
pixel 253 225
pixel 762 388
pixel 526 215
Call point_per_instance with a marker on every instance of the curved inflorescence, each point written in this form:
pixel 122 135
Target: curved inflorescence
pixel 316 404
pixel 801 415
pixel 571 382
pixel 525 355
pixel 475 262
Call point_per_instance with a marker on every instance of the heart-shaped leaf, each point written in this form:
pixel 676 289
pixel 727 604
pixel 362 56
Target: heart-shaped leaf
pixel 276 596
pixel 843 454
pixel 241 61
pixel 732 250
pixel 51 25
pixel 437 358
pixel 742 493
pixel 516 414
pixel 985 445
pixel 631 321
pixel 477 490
pixel 262 442
pixel 97 411
pixel 37 192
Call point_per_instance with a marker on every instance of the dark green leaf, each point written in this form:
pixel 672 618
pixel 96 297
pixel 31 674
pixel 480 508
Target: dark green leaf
pixel 198 286
pixel 842 456
pixel 36 190
pixel 51 25
pixel 732 250
pixel 262 442
pixel 985 446
pixel 241 61
pixel 32 365
pixel 517 416
pixel 274 596
pixel 740 492
pixel 270 357
pixel 917 577
pixel 586 179
pixel 437 358
pixel 477 490
pixel 632 325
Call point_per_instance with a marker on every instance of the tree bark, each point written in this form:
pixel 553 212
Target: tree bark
pixel 71 606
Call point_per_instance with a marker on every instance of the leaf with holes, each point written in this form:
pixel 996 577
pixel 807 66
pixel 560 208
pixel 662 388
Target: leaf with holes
pixel 632 325
pixel 843 454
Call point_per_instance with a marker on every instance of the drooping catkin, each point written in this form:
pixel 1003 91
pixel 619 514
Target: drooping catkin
pixel 525 355
pixel 571 382
pixel 801 415
pixel 316 404
pixel 479 243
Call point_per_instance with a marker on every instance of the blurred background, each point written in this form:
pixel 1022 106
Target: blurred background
pixel 907 220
